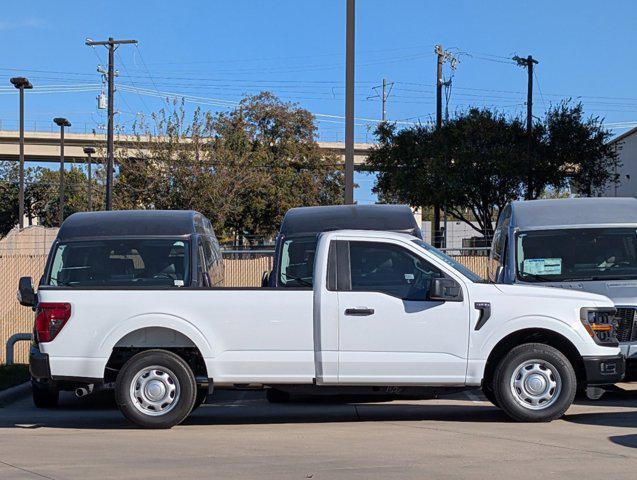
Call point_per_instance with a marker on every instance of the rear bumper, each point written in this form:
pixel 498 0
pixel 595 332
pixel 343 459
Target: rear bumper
pixel 604 370
pixel 39 366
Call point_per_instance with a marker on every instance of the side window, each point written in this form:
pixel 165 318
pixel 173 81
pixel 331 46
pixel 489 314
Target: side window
pixel 390 269
pixel 297 262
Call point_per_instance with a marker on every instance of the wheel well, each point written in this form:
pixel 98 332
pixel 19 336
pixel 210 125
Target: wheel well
pixel 155 338
pixel 534 335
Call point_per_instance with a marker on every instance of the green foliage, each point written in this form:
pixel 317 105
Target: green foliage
pixel 243 168
pixel 479 161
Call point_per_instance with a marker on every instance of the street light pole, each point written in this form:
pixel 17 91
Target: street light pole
pixel 61 122
pixel 21 84
pixel 89 151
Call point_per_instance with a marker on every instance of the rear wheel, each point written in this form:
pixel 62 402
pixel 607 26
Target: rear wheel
pixel 45 395
pixel 534 383
pixel 156 389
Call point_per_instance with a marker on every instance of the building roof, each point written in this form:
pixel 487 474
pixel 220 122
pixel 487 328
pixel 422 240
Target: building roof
pixel 573 211
pixel 624 135
pixel 130 223
pixel 311 220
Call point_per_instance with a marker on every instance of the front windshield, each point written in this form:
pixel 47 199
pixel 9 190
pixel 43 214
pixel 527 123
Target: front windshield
pixel 450 261
pixel 114 262
pixel 577 254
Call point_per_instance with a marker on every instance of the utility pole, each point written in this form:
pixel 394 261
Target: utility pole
pixel 61 122
pixel 89 151
pixel 21 84
pixel 528 63
pixel 386 89
pixel 112 45
pixel 442 57
pixel 350 42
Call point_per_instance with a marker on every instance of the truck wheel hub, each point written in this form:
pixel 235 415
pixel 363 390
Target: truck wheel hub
pixel 536 384
pixel 155 391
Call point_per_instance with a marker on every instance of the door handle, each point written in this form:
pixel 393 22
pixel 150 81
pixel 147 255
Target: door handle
pixel 359 312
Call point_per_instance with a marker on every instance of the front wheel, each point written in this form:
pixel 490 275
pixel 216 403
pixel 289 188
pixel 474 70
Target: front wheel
pixel 534 383
pixel 156 389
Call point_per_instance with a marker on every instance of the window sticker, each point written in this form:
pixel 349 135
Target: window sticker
pixel 179 283
pixel 543 266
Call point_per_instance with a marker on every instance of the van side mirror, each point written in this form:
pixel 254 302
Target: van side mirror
pixel 265 278
pixel 445 290
pixel 26 294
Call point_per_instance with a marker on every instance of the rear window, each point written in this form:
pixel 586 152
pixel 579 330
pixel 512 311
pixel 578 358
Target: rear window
pixel 136 262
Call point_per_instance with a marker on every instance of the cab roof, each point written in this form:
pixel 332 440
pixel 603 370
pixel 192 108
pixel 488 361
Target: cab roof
pixel 132 223
pixel 313 220
pixel 573 211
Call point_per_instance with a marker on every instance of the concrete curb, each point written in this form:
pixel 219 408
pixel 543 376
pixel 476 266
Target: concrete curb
pixel 12 394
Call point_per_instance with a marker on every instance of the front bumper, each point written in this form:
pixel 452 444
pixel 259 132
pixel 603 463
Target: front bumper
pixel 39 364
pixel 604 370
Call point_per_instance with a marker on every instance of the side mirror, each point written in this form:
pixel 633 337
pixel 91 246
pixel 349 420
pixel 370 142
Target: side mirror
pixel 26 294
pixel 445 289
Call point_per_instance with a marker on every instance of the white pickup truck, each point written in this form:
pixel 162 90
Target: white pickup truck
pixel 385 310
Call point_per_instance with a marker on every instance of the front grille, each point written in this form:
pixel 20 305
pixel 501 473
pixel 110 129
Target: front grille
pixel 625 324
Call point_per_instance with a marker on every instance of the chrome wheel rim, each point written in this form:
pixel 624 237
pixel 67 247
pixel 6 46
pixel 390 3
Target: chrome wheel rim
pixel 155 391
pixel 536 384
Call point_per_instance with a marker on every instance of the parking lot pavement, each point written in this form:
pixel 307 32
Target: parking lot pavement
pixel 240 435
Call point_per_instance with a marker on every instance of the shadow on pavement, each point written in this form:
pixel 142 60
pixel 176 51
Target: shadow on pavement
pixel 609 419
pixel 243 408
pixel 625 440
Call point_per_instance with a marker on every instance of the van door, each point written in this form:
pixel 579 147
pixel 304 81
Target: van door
pixel 388 331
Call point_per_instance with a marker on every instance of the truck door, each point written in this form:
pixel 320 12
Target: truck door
pixel 388 330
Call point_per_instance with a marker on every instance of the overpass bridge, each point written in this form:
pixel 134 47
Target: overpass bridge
pixel 45 146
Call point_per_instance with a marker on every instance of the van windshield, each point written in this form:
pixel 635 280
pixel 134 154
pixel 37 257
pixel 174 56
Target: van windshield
pixel 577 254
pixel 114 262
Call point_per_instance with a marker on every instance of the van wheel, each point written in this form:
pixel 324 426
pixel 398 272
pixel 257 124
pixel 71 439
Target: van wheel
pixel 45 395
pixel 534 383
pixel 156 389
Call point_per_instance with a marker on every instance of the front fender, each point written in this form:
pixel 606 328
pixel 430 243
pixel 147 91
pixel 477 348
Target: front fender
pixel 149 320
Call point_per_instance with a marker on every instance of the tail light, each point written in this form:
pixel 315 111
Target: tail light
pixel 50 319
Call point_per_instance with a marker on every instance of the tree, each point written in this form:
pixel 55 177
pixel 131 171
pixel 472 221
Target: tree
pixel 243 168
pixel 8 197
pixel 471 166
pixel 478 161
pixel 579 150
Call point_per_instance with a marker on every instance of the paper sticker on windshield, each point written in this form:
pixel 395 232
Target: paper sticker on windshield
pixel 179 283
pixel 543 266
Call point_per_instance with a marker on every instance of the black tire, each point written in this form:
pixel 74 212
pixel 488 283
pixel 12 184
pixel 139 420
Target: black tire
pixel 202 394
pixel 277 396
pixel 173 374
pixel 554 369
pixel 487 391
pixel 45 395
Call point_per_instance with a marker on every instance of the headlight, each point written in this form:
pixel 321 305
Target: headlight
pixel 601 324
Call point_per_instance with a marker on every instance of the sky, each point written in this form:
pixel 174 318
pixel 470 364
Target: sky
pixel 214 52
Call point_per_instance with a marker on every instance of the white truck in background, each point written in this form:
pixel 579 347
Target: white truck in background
pixel 383 310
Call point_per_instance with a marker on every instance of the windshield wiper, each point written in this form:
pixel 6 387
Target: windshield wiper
pixel 298 279
pixel 541 278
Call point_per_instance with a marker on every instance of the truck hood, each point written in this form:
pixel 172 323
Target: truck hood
pixel 543 292
pixel 622 292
